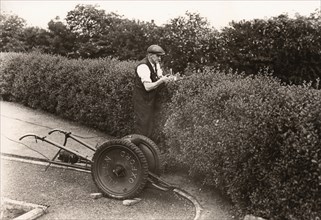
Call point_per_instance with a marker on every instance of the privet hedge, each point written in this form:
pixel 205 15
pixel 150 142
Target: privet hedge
pixel 257 141
pixel 253 138
pixel 96 93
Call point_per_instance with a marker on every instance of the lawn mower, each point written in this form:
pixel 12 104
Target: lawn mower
pixel 120 168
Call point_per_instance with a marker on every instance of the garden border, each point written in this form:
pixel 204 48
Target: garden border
pixel 35 212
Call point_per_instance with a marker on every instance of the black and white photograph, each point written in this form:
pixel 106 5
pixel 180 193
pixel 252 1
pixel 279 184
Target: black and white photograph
pixel 161 110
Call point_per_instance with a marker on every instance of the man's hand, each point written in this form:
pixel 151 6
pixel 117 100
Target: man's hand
pixel 166 78
pixel 153 85
pixel 170 77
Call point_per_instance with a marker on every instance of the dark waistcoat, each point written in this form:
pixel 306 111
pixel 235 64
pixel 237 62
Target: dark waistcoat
pixel 154 77
pixel 139 86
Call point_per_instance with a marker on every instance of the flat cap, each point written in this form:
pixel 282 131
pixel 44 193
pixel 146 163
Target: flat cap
pixel 155 49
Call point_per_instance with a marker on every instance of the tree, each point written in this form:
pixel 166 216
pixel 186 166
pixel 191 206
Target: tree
pixel 11 33
pixel 62 40
pixel 98 34
pixel 290 47
pixel 36 39
pixel 90 26
pixel 131 38
pixel 186 40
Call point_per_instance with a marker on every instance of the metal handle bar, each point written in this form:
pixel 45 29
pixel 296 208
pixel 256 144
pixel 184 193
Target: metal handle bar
pixel 58 130
pixel 32 135
pixel 69 135
pixel 57 145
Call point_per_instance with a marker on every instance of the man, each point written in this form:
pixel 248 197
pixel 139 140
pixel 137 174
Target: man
pixel 148 78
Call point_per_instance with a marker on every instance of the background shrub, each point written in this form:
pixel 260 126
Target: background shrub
pixel 288 46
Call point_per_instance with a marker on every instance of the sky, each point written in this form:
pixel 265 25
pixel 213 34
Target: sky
pixel 219 13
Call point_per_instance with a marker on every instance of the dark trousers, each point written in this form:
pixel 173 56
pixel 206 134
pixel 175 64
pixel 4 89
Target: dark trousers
pixel 144 109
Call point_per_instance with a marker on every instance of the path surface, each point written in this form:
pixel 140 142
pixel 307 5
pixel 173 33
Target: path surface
pixel 67 192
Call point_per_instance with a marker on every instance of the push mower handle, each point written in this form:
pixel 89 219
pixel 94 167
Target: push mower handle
pixel 32 135
pixel 58 130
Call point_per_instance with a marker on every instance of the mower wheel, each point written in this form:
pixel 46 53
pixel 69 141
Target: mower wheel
pixel 150 150
pixel 119 169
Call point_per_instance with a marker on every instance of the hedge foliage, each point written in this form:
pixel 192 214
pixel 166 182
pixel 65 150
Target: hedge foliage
pixel 93 92
pixel 251 137
pixel 255 139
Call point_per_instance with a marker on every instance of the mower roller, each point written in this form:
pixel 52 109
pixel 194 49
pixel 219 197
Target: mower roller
pixel 120 168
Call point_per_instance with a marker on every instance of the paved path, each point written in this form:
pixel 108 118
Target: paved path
pixel 67 192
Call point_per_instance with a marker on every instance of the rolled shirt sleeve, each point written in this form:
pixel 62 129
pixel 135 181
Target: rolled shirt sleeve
pixel 144 73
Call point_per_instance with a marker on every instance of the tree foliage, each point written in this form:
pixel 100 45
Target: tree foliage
pixel 99 34
pixel 291 47
pixel 91 27
pixel 63 41
pixel 186 41
pixel 11 33
pixel 37 39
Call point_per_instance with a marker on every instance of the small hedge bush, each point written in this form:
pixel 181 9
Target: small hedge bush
pixel 253 138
